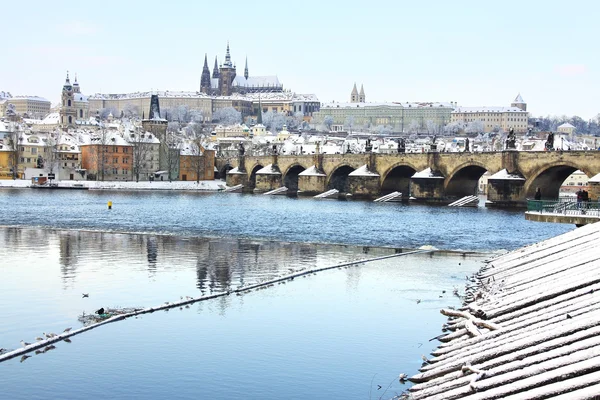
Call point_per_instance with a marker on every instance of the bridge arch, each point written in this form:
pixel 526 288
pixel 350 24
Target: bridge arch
pixel 223 171
pixel 464 179
pixel 338 178
pixel 290 177
pixel 397 179
pixel 252 177
pixel 550 177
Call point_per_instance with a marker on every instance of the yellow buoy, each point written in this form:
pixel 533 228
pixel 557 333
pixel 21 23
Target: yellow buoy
pixel 110 205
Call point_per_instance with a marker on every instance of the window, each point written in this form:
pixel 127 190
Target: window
pixel 115 171
pixel 33 150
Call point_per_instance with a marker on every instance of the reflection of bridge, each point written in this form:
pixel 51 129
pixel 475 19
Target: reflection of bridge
pixel 433 177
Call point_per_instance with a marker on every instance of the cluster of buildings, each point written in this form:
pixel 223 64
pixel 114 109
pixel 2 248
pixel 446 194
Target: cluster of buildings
pixel 420 117
pixel 122 150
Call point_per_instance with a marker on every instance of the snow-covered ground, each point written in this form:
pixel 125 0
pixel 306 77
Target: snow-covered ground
pixel 145 185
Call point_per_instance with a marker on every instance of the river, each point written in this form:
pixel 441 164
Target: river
pixel 341 333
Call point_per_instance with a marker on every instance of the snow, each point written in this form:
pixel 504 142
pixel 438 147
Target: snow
pixel 311 171
pixel 269 170
pixel 472 110
pixel 503 174
pixel 543 307
pixel 362 171
pixel 566 125
pixel 427 173
pixel 594 179
pixel 106 185
pixel 236 171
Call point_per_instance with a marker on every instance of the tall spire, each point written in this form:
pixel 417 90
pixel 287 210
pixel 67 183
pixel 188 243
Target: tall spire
pixel 216 73
pixel 205 83
pixel 354 94
pixel 246 69
pixel 259 115
pixel 67 81
pixel 227 62
pixel 361 96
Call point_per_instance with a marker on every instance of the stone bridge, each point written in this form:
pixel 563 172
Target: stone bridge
pixel 429 177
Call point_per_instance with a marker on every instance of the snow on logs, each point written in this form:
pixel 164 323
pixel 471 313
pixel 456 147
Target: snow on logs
pixel 189 300
pixel 530 327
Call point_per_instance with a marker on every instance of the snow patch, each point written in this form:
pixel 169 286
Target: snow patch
pixel 428 173
pixel 312 171
pixel 504 174
pixel 362 171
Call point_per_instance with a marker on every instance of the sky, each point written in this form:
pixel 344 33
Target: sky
pixel 476 53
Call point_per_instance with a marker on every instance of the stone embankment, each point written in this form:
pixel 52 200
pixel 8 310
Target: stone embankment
pixel 529 328
pixel 215 185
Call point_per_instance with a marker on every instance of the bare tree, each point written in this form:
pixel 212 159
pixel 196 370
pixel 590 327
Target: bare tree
pixel 14 140
pixel 50 152
pixel 227 116
pixel 141 148
pixel 173 153
pixel 130 111
pixel 197 160
pixel 328 121
pixel 476 126
pixel 414 126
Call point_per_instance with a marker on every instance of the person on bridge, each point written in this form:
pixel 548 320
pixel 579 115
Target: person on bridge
pixel 538 194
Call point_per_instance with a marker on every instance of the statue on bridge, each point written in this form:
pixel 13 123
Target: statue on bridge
pixel 433 145
pixel 274 149
pixel 511 140
pixel 241 149
pixel 467 145
pixel 368 146
pixel 550 142
pixel 401 145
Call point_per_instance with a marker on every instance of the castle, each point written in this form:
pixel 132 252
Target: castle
pixel 224 79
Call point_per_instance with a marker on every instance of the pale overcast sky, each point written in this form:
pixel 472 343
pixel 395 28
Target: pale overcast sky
pixel 477 53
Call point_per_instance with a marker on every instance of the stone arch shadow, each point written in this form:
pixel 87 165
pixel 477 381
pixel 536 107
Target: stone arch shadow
pixel 290 178
pixel 397 179
pixel 464 180
pixel 550 178
pixel 338 178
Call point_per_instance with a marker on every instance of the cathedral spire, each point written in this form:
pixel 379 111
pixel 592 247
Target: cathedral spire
pixel 246 69
pixel 205 83
pixel 67 81
pixel 361 96
pixel 354 94
pixel 227 62
pixel 215 73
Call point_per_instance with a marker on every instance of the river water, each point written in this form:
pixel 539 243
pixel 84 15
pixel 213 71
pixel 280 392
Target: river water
pixel 340 333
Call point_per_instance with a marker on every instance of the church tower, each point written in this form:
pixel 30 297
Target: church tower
pixel 205 84
pixel 354 95
pixel 76 88
pixel 215 69
pixel 67 113
pixel 227 75
pixel 246 69
pixel 519 103
pixel 361 95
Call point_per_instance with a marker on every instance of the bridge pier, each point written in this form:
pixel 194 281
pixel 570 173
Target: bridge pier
pixel 311 182
pixel 427 186
pixel 267 179
pixel 363 183
pixel 506 190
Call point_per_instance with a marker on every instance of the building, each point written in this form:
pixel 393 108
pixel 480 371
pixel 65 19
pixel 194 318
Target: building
pixel 106 156
pixel 25 106
pixel 225 81
pixel 196 163
pixel 496 118
pixel 566 128
pixel 401 117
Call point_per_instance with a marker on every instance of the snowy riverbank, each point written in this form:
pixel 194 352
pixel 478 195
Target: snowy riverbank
pixel 215 185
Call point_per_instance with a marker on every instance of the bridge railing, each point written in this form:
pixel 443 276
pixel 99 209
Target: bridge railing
pixel 561 207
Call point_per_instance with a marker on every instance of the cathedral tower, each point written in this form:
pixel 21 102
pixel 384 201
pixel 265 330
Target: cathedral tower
pixel 246 69
pixel 227 75
pixel 68 112
pixel 354 95
pixel 205 84
pixel 361 95
pixel 215 69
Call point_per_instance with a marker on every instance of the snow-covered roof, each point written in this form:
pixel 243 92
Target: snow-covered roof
pixel 428 173
pixel 474 110
pixel 504 174
pixel 80 97
pixel 362 171
pixel 311 171
pixel 33 98
pixel 566 125
pixel 390 105
pixel 256 81
pixel 269 170
pixel 519 99
pixel 595 179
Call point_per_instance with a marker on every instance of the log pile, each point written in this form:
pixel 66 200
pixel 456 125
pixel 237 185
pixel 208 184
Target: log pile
pixel 529 327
